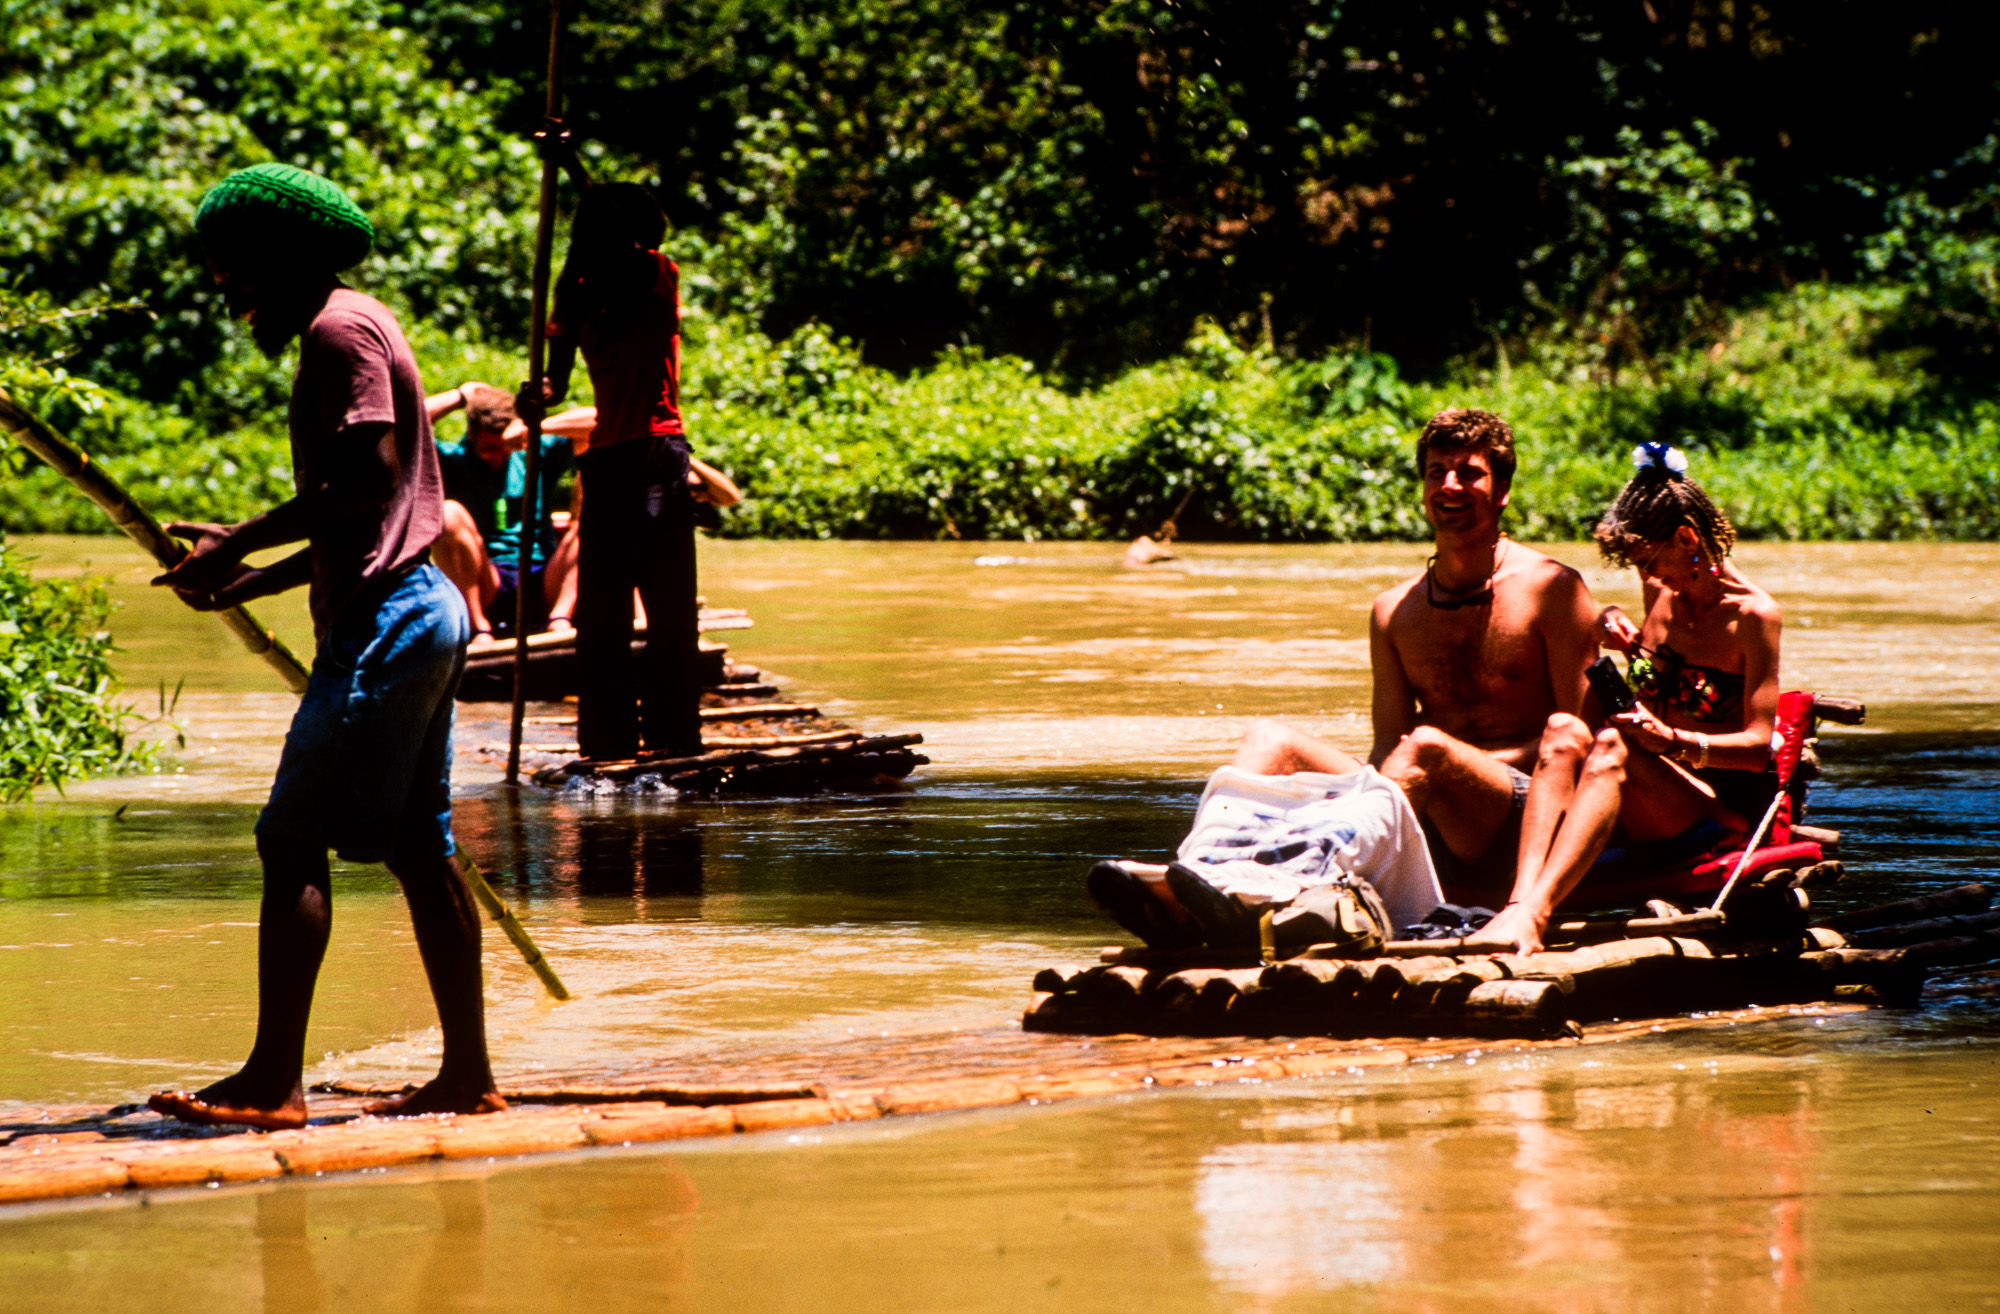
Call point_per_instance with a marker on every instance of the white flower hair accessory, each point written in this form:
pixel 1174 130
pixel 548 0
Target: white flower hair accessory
pixel 1659 456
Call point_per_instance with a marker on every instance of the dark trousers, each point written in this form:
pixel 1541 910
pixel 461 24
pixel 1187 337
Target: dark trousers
pixel 638 531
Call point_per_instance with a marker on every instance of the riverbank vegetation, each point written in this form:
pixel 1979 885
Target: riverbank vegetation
pixel 982 269
pixel 58 717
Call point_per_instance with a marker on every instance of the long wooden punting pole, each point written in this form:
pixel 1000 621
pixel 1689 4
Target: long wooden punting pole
pixel 1750 849
pixel 91 480
pixel 538 324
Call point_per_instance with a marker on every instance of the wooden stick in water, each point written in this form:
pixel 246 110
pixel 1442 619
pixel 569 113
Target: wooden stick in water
pixel 138 525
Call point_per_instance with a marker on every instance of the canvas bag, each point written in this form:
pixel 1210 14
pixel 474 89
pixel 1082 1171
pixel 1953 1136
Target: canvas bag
pixel 1269 840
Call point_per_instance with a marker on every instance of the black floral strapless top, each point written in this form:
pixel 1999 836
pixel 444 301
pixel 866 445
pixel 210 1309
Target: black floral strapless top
pixel 1670 682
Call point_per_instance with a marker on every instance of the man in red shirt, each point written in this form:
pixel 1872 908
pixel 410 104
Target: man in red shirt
pixel 366 769
pixel 618 300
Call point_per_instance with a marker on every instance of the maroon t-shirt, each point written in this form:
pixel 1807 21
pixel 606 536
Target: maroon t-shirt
pixel 355 368
pixel 634 356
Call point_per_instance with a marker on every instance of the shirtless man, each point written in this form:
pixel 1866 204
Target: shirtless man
pixel 1471 658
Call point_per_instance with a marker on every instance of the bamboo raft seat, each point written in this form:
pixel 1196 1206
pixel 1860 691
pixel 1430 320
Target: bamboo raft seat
pixel 78 1150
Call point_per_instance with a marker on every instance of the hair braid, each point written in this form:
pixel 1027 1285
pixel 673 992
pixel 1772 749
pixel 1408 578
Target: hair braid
pixel 1651 507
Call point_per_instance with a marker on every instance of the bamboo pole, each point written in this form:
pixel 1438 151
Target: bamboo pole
pixel 1749 850
pixel 60 455
pixel 538 323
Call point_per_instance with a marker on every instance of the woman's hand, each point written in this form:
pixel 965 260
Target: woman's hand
pixel 1619 631
pixel 1644 730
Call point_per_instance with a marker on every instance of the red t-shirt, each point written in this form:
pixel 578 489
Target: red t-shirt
pixel 355 368
pixel 633 352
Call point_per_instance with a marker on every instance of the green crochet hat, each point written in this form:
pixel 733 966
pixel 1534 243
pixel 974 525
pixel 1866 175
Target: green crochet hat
pixel 268 202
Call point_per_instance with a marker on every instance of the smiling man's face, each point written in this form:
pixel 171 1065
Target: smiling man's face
pixel 1461 495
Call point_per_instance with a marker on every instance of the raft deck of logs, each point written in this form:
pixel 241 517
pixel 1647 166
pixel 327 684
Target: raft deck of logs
pixel 1758 950
pixel 79 1151
pixel 753 740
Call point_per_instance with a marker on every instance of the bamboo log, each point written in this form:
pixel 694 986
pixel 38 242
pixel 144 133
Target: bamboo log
pixel 1116 987
pixel 1972 898
pixel 1895 974
pixel 756 711
pixel 818 737
pixel 1828 840
pixel 1957 950
pixel 139 526
pixel 1519 1007
pixel 1054 980
pixel 1843 711
pixel 1820 874
pixel 629 770
pixel 1933 928
pixel 1706 921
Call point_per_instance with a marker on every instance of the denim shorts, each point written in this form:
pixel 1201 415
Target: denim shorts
pixel 366 769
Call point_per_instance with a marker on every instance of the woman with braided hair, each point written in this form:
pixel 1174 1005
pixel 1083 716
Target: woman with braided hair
pixel 1704 664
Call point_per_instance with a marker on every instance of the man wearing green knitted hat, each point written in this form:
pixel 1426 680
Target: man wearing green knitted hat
pixel 366 769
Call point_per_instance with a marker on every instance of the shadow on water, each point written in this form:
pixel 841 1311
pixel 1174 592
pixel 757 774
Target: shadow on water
pixel 1915 811
pixel 1001 853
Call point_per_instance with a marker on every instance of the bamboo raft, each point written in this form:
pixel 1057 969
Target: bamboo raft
pixel 1757 951
pixel 754 742
pixel 75 1151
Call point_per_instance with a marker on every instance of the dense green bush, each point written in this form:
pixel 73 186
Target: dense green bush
pixel 1795 421
pixel 58 717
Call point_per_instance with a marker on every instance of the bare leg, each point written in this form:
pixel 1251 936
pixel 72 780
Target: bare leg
pixel 292 930
pixel 1566 743
pixel 461 555
pixel 1465 792
pixel 1570 832
pixel 1649 798
pixel 1271 748
pixel 447 928
pixel 559 581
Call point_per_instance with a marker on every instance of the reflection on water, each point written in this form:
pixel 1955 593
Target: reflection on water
pixel 1073 709
pixel 1662 1175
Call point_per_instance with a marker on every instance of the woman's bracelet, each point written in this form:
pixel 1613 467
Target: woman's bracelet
pixel 1680 754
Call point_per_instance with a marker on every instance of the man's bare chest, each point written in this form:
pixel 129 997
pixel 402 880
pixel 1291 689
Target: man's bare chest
pixel 1458 657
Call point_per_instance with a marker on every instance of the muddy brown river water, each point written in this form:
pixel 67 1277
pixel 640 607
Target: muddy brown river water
pixel 1072 708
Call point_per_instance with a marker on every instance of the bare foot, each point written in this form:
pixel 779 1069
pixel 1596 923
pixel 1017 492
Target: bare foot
pixel 437 1097
pixel 229 1103
pixel 1515 930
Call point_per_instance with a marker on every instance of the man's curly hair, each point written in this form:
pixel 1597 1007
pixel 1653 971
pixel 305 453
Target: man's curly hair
pixel 1464 430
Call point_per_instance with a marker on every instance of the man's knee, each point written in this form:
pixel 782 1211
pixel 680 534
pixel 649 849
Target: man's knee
pixel 1565 738
pixel 1426 747
pixel 1265 734
pixel 291 860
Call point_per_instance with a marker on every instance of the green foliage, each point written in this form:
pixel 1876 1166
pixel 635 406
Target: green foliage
pixel 1942 241
pixel 58 720
pixel 1661 235
pixel 1793 422
pixel 114 118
